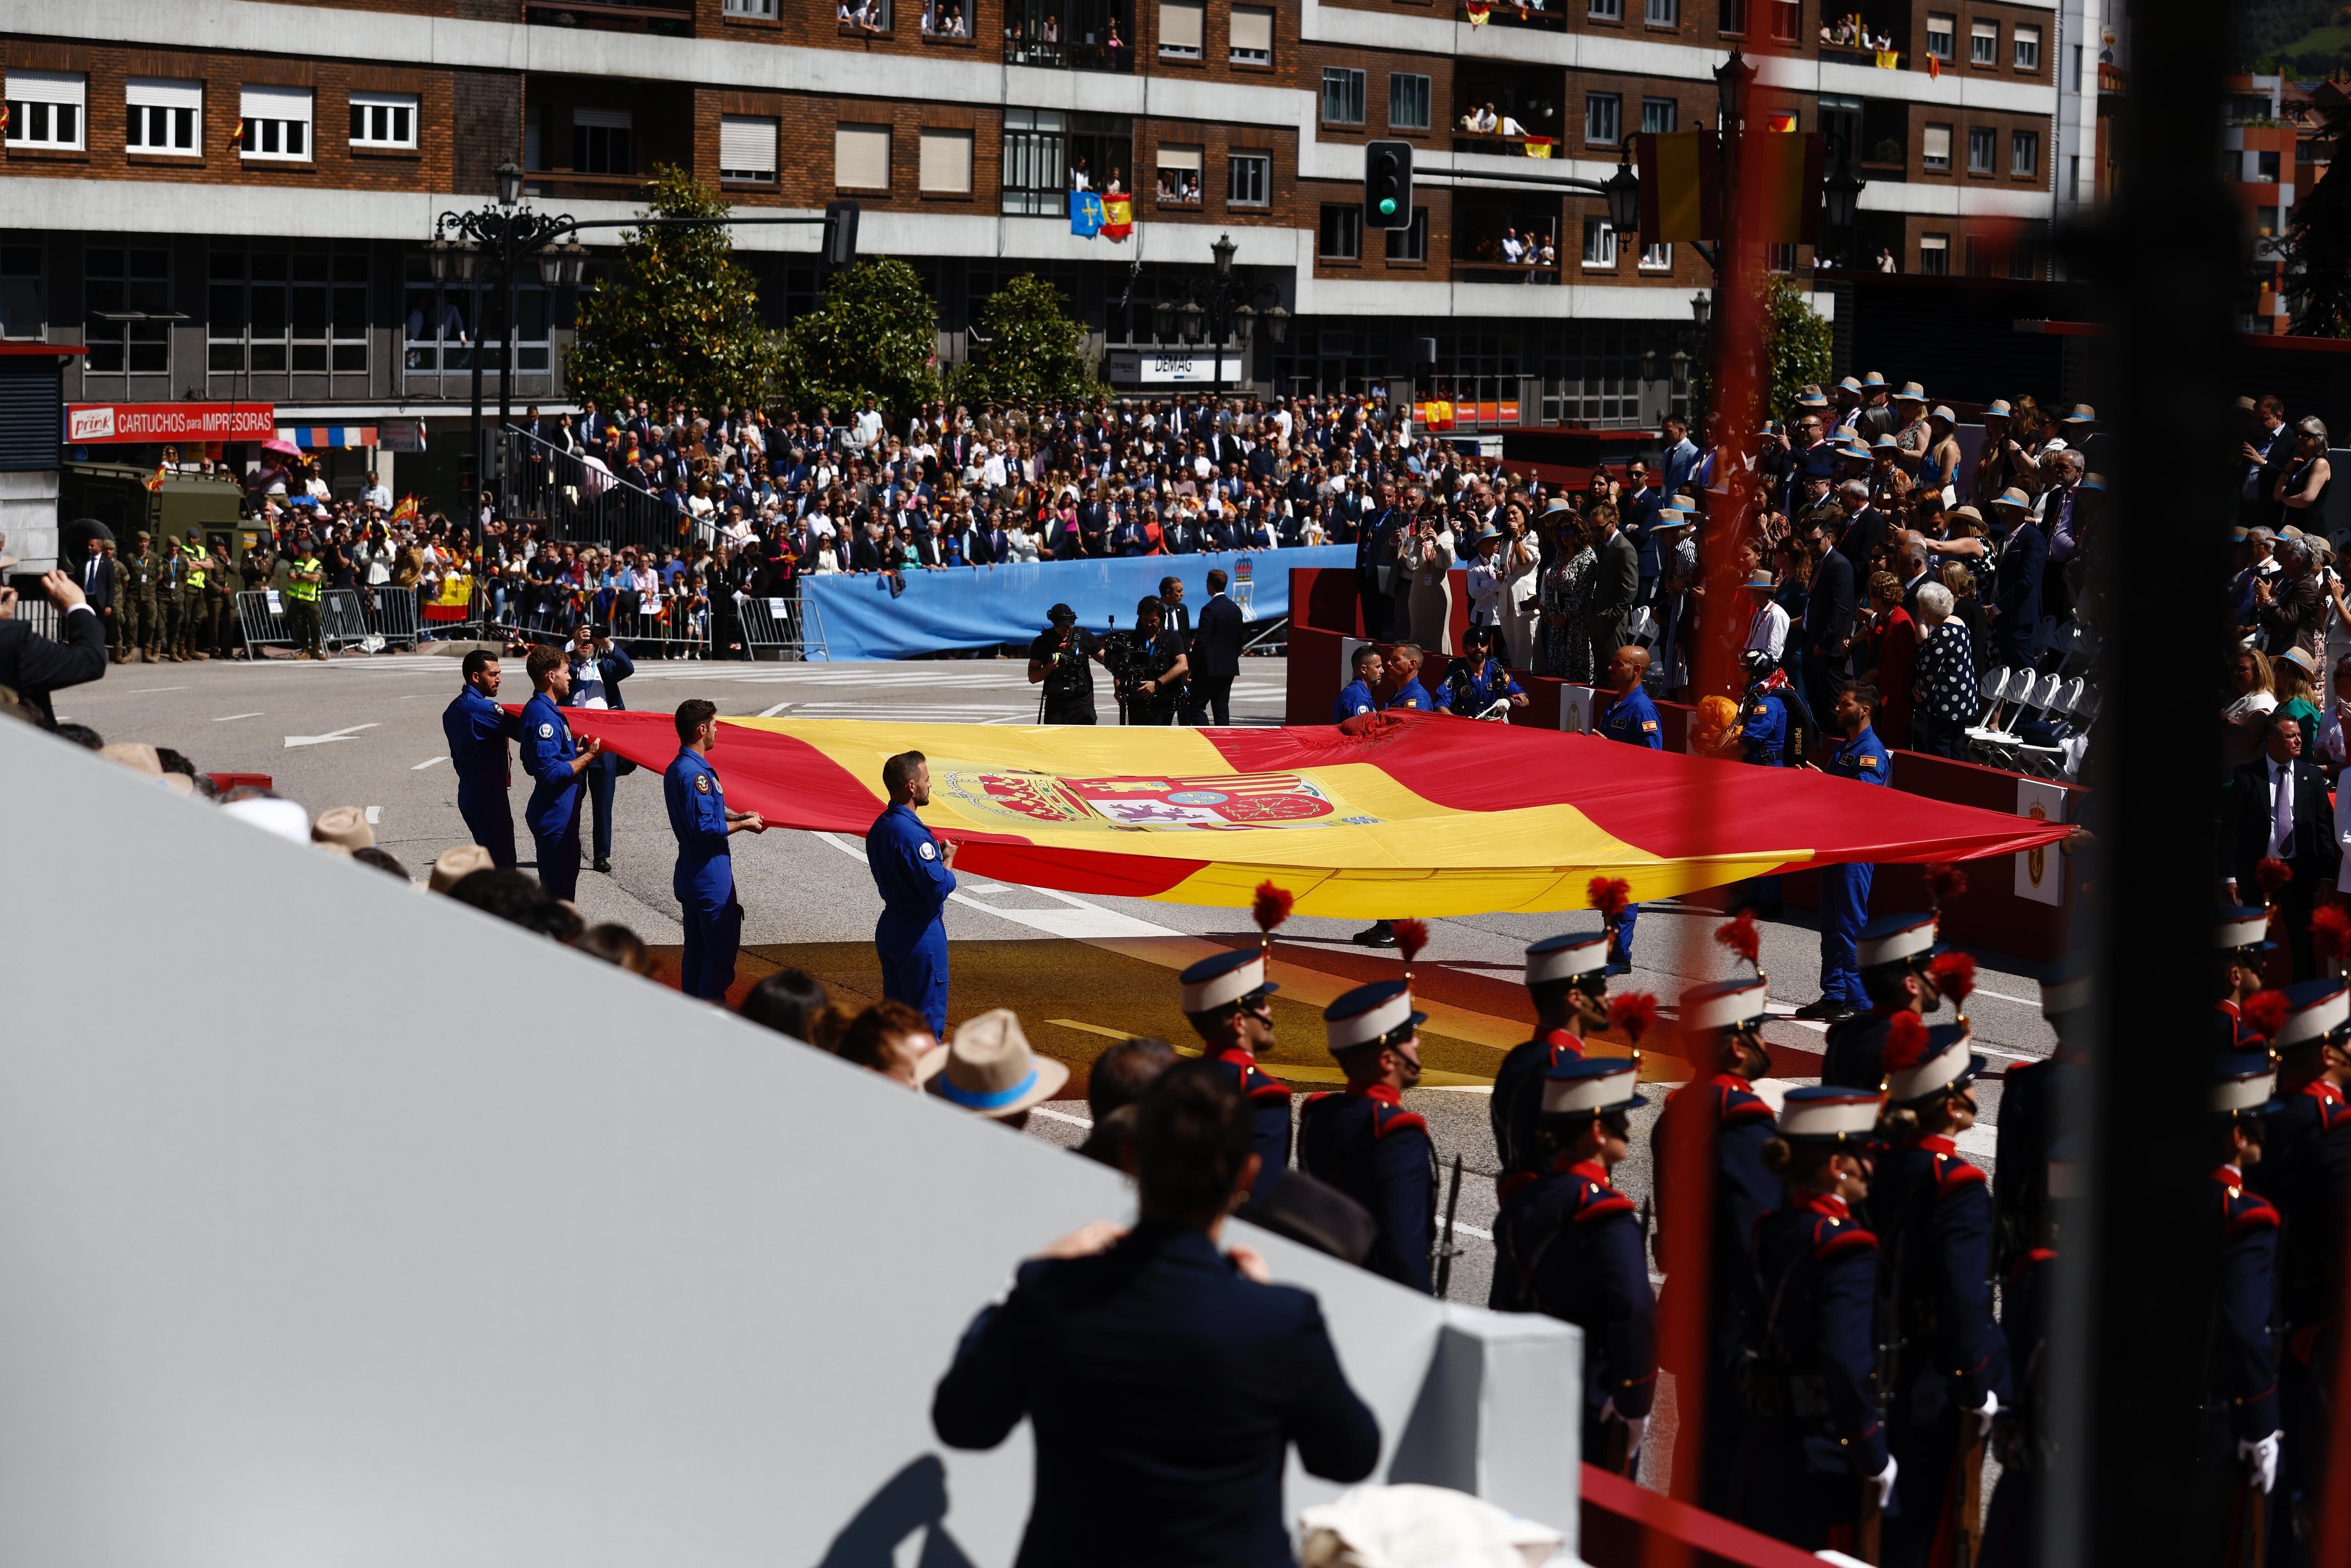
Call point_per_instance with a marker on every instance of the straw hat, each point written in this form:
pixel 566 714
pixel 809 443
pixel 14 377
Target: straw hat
pixel 450 867
pixel 344 828
pixel 273 814
pixel 989 1069
pixel 135 755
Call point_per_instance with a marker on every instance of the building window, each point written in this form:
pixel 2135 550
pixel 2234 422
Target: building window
pixel 1343 232
pixel 2265 222
pixel 1941 34
pixel 1036 173
pixel 1935 255
pixel 1179 174
pixel 1606 10
pixel 275 123
pixel 763 10
pixel 747 149
pixel 2265 168
pixel 1603 118
pixel 1733 19
pixel 860 157
pixel 1983 43
pixel 45 108
pixel 945 164
pixel 1656 258
pixel 1249 179
pixel 164 118
pixel 1181 29
pixel 1412 243
pixel 1780 258
pixel 1973 258
pixel 24 304
pixel 127 311
pixel 1252 42
pixel 2027 49
pixel 1343 95
pixel 603 142
pixel 1661 13
pixel 1659 116
pixel 2024 153
pixel 1408 102
pixel 1935 151
pixel 2232 165
pixel 2024 260
pixel 383 119
pixel 1599 243
pixel 271 311
pixel 1982 142
pixel 1787 20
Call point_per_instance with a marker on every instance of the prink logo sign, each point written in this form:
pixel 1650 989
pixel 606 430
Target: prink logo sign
pixel 92 423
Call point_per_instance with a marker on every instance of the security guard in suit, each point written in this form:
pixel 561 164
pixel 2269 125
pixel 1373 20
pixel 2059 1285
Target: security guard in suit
pixel 1230 1003
pixel 1631 718
pixel 1844 889
pixel 1892 957
pixel 2305 1172
pixel 554 763
pixel 914 872
pixel 479 730
pixel 2242 934
pixel 704 878
pixel 1932 1212
pixel 1567 980
pixel 1364 1141
pixel 1814 1468
pixel 2243 1432
pixel 1570 1248
pixel 1716 1128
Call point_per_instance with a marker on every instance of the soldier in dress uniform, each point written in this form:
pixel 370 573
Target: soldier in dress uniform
pixel 2242 936
pixel 1570 1245
pixel 1844 889
pixel 1893 955
pixel 1932 1212
pixel 1721 1025
pixel 2242 1435
pixel 2305 1173
pixel 1363 1141
pixel 1814 1468
pixel 2022 1437
pixel 1230 1003
pixel 2030 1107
pixel 1567 978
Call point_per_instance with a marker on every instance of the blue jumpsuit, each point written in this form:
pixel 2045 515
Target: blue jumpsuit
pixel 479 730
pixel 1363 1142
pixel 1471 692
pixel 1355 698
pixel 1413 695
pixel 910 937
pixel 1844 889
pixel 1633 719
pixel 596 683
pixel 1762 743
pixel 703 880
pixel 553 813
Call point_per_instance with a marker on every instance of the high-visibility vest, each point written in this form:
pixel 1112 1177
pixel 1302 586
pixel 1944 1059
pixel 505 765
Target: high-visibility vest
pixel 196 564
pixel 300 590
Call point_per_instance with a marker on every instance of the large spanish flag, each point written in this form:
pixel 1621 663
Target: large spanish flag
pixel 1389 814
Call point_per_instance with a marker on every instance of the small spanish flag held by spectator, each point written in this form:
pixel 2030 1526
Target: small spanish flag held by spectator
pixel 1478 11
pixel 1933 66
pixel 1538 146
pixel 1118 216
pixel 155 480
pixel 235 136
pixel 407 511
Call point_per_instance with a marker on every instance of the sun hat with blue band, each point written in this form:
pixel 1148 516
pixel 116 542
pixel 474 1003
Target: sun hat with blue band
pixel 989 1069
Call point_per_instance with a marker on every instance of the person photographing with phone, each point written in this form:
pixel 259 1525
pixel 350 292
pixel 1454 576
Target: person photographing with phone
pixel 33 665
pixel 1057 660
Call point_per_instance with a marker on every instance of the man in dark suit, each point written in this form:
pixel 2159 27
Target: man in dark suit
pixel 2015 607
pixel 1865 528
pixel 1164 1378
pixel 33 665
pixel 1615 580
pixel 1215 653
pixel 1830 605
pixel 2276 808
pixel 1375 548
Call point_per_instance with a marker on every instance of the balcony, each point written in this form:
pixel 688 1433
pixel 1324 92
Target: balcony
pixel 1069 34
pixel 1548 15
pixel 612 17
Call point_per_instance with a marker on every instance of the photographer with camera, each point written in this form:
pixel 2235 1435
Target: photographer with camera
pixel 1148 666
pixel 1058 659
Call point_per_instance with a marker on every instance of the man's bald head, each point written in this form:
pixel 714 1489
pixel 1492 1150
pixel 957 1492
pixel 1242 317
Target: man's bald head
pixel 1638 654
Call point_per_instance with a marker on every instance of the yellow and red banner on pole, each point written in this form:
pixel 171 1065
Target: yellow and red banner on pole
pixel 1420 813
pixel 1681 180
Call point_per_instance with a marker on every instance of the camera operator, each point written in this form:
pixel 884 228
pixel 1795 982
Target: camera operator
pixel 1058 659
pixel 1152 684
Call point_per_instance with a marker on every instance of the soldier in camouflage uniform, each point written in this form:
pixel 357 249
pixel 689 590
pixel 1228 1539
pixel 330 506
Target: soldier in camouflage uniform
pixel 134 599
pixel 191 596
pixel 219 621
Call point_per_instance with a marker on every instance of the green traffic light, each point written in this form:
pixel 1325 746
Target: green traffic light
pixel 1387 206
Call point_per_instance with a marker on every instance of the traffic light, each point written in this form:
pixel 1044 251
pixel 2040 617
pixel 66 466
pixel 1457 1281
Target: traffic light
pixel 839 234
pixel 1387 185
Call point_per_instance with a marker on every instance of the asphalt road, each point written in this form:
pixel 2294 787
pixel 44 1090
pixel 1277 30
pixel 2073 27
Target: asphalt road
pixel 367 732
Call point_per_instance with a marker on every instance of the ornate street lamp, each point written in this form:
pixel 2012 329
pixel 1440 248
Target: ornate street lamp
pixel 509 182
pixel 1624 189
pixel 1732 80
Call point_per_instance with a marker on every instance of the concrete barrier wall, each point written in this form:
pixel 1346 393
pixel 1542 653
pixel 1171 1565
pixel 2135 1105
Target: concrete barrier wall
pixel 342 1223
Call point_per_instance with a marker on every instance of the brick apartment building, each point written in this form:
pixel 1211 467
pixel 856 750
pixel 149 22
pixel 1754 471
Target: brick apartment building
pixel 228 199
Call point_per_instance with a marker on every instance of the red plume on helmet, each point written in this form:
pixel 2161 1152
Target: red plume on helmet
pixel 1954 975
pixel 1411 936
pixel 1270 909
pixel 1906 1044
pixel 2272 873
pixel 1742 938
pixel 2330 933
pixel 1945 882
pixel 2266 1011
pixel 1609 895
pixel 1634 1012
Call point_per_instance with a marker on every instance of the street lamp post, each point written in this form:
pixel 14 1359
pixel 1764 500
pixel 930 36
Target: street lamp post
pixel 1221 306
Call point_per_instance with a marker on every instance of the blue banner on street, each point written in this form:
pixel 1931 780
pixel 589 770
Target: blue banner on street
pixel 860 617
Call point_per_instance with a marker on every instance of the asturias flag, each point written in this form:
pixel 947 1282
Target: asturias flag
pixel 1118 217
pixel 1085 218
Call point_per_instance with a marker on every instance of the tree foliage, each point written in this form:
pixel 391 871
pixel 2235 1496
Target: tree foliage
pixel 1799 343
pixel 875 333
pixel 2318 245
pixel 1026 347
pixel 680 319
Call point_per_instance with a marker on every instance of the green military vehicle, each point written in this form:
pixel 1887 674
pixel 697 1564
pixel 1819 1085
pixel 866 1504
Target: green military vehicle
pixel 116 494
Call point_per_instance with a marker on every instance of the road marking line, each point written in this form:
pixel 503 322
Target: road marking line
pixel 345 733
pixel 772 712
pixel 150 691
pixel 1062 1116
pixel 375 814
pixel 226 716
pixel 1090 1027
pixel 427 763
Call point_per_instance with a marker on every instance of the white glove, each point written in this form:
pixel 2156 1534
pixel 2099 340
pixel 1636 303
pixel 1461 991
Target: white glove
pixel 2262 1459
pixel 1636 1428
pixel 1983 1415
pixel 1884 1482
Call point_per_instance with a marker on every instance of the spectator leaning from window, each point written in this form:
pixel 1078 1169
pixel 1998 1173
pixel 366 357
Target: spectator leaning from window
pixel 1945 675
pixel 1166 1378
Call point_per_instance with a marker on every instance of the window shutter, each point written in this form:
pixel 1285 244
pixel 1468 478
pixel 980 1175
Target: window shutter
pixel 747 147
pixel 1185 158
pixel 1938 142
pixel 1180 24
pixel 946 162
pixel 1252 29
pixel 275 103
pixel 155 92
pixel 602 119
pixel 47 87
pixel 860 157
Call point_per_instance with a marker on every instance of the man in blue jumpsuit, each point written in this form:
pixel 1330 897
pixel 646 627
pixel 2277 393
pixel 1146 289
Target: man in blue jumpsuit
pixel 1357 696
pixel 1478 680
pixel 1364 1141
pixel 555 763
pixel 1844 889
pixel 1895 957
pixel 1763 734
pixel 915 874
pixel 1630 718
pixel 703 880
pixel 479 730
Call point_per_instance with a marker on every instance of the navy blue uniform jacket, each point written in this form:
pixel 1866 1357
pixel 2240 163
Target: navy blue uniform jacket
pixel 1933 1213
pixel 1572 1249
pixel 1819 1273
pixel 1516 1104
pixel 1269 1108
pixel 1164 1391
pixel 1365 1144
pixel 1737 1123
pixel 2242 1374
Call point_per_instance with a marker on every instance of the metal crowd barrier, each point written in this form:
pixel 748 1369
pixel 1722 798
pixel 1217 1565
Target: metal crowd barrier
pixel 774 628
pixel 676 633
pixel 261 620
